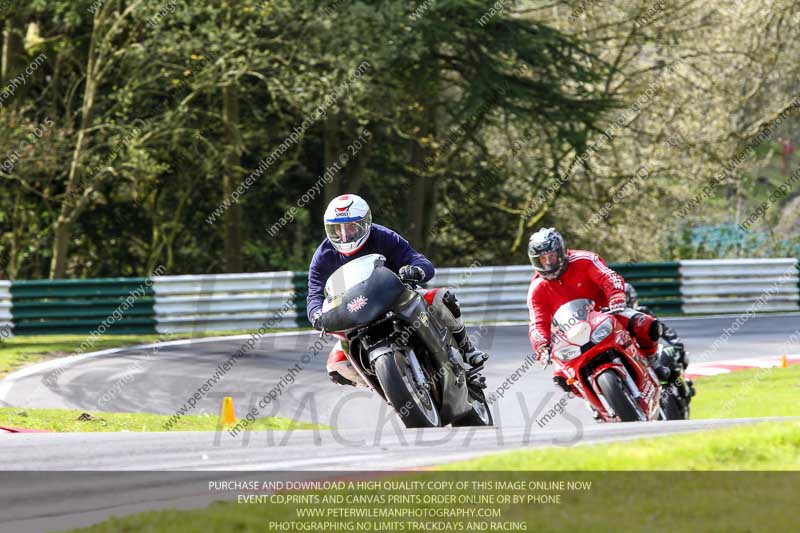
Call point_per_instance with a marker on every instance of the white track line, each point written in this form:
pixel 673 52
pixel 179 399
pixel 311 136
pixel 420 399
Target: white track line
pixel 714 368
pixel 9 381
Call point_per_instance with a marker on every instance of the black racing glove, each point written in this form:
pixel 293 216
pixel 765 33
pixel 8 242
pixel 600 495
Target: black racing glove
pixel 411 273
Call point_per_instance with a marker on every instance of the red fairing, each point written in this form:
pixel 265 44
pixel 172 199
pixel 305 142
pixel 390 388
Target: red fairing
pixel 627 362
pixel 587 276
pixel 337 355
pixel 430 295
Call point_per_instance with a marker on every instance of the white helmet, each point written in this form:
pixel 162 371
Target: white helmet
pixel 348 222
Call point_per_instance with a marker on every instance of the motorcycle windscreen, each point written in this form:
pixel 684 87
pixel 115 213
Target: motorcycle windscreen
pixel 571 314
pixel 362 302
pixel 351 274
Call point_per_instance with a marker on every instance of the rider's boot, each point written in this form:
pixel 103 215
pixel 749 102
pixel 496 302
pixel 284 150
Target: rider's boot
pixel 690 386
pixel 662 372
pixel 472 355
pixel 446 305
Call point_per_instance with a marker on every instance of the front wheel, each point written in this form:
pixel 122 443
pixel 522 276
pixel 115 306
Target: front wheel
pixel 673 408
pixel 412 401
pixel 619 397
pixel 479 415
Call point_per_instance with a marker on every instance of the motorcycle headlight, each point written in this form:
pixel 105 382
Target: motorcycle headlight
pixel 603 330
pixel 568 353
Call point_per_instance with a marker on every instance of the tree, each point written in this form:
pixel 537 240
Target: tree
pixel 110 20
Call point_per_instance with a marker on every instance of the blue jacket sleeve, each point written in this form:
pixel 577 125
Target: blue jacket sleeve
pixel 400 253
pixel 316 286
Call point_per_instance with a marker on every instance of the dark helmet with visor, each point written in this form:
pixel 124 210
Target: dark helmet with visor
pixel 547 253
pixel 631 296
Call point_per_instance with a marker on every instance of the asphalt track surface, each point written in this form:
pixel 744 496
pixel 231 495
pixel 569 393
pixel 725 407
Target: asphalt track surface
pixel 367 435
pixel 163 380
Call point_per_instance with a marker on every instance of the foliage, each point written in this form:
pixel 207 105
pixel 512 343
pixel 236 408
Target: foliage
pixel 146 114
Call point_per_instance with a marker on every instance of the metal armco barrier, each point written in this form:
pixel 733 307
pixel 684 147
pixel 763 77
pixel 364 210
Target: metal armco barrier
pixel 500 293
pixel 273 300
pixel 6 324
pixel 231 302
pixel 739 285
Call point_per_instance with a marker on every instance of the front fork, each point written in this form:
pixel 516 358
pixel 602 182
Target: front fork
pixel 416 369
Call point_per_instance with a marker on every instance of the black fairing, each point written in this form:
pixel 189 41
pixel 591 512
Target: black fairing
pixel 380 290
pixel 438 341
pixel 384 293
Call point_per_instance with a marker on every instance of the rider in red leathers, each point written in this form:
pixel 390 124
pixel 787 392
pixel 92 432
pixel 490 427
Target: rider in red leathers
pixel 564 275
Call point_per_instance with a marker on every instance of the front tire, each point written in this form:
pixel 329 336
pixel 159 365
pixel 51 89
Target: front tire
pixel 673 410
pixel 618 396
pixel 479 415
pixel 413 404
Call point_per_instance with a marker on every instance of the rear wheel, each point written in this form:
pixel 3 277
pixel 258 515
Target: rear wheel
pixel 619 397
pixel 412 401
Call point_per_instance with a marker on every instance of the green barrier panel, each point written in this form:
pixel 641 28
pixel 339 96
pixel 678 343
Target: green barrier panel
pixel 73 303
pixel 82 306
pixel 300 284
pixel 84 325
pixel 80 312
pixel 658 284
pixel 117 329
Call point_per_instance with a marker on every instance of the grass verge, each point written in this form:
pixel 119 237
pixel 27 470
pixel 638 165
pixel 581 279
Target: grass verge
pixel 63 420
pixel 631 501
pixel 748 393
pixel 719 480
pixel 741 394
pixel 766 446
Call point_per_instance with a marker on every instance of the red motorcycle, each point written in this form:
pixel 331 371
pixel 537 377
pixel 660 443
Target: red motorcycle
pixel 599 361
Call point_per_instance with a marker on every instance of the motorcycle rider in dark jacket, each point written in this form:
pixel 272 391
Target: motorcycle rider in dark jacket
pixel 352 234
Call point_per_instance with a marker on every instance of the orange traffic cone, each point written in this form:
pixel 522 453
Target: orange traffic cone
pixel 228 415
pixel 784 361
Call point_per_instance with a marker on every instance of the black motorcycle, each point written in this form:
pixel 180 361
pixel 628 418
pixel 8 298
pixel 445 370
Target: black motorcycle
pixel 400 348
pixel 677 391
